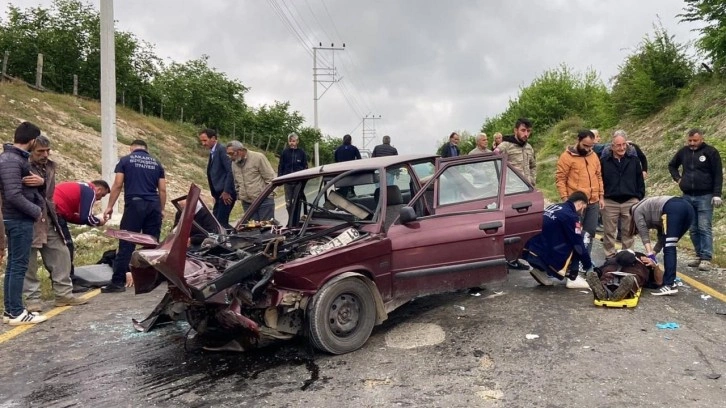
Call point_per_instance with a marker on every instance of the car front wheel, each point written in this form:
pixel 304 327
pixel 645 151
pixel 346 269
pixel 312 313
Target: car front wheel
pixel 341 316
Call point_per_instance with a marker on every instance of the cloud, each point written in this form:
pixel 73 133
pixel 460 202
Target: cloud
pixel 428 67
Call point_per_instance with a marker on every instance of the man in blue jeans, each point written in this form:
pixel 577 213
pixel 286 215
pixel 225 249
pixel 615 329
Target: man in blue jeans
pixel 142 179
pixel 701 181
pixel 21 207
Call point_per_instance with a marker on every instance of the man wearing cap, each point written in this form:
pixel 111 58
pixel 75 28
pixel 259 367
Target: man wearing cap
pixel 252 173
pixel 142 178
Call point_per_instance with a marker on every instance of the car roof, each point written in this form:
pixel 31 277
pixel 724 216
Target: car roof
pixel 363 164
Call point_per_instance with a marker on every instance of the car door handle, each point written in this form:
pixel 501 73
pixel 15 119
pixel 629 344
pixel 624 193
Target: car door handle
pixel 490 227
pixel 522 207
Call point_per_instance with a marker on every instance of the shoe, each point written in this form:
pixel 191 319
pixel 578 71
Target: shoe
pixel 541 277
pixel 6 317
pixel 113 289
pixel 626 287
pixel 598 290
pixel 516 264
pixel 26 318
pixel 600 228
pixel 694 263
pixel 80 289
pixel 70 301
pixel 665 290
pixel 577 283
pixel 33 306
pixel 704 265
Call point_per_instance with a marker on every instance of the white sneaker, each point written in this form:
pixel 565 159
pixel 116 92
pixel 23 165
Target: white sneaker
pixel 577 283
pixel 26 318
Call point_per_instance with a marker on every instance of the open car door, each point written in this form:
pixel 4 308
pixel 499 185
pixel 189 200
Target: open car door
pixel 453 238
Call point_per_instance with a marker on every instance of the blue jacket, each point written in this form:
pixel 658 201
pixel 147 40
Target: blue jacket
pixel 219 173
pixel 346 153
pixel 18 200
pixel 561 237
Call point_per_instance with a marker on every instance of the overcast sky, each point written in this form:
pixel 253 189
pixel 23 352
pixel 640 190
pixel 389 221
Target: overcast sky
pixel 427 67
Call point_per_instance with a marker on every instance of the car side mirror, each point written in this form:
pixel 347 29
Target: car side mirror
pixel 407 214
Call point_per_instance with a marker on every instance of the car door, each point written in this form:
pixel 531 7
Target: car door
pixel 458 241
pixel 523 208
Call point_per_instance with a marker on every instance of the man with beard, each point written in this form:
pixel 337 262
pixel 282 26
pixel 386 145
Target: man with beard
pixel 520 155
pixel 451 148
pixel 519 152
pixel 578 169
pixel 560 244
pixel 252 173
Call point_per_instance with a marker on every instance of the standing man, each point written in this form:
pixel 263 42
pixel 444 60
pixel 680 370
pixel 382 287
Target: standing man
pixel 47 236
pixel 21 207
pixel 292 159
pixel 385 149
pixel 142 179
pixel 74 201
pixel 450 148
pixel 578 169
pixel 497 140
pixel 482 144
pixel 518 150
pixel 219 176
pixel 623 184
pixel 346 151
pixel 701 181
pixel 252 173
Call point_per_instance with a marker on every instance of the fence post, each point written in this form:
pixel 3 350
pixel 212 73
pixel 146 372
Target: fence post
pixel 123 98
pixel 234 131
pixel 5 65
pixel 269 139
pixel 39 72
pixel 182 115
pixel 252 139
pixel 161 111
pixel 141 104
pixel 75 85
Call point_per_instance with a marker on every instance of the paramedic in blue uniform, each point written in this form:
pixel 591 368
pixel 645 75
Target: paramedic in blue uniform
pixel 142 178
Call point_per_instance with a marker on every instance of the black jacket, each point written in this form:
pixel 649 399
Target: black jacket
pixel 702 170
pixel 219 173
pixel 292 160
pixel 445 150
pixel 384 150
pixel 622 179
pixel 18 200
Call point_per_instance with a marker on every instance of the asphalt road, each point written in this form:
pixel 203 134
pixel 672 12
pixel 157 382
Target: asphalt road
pixel 455 350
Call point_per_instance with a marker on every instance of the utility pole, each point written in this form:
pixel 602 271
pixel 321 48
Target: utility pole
pixel 370 133
pixel 326 76
pixel 108 94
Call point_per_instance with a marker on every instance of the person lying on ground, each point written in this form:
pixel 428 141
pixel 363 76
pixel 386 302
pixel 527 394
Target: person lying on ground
pixel 622 275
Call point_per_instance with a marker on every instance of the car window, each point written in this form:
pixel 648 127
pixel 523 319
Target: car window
pixel 354 197
pixel 469 181
pixel 515 184
pixel 424 170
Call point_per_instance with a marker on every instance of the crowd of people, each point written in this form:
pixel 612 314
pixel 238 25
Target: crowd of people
pixel 594 180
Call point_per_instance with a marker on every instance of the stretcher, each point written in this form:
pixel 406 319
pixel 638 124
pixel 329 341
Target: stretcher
pixel 627 302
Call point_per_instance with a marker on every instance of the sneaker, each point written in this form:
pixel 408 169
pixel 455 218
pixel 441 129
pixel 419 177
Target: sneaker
pixel 70 301
pixel 704 265
pixel 33 306
pixel 694 263
pixel 26 318
pixel 113 289
pixel 577 283
pixel 626 287
pixel 598 290
pixel 6 317
pixel 80 289
pixel 665 290
pixel 541 277
pixel 516 264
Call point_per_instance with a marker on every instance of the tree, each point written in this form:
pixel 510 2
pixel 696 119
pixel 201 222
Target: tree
pixel 651 76
pixel 713 36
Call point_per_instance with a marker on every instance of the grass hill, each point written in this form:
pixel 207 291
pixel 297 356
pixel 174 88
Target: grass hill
pixel 701 105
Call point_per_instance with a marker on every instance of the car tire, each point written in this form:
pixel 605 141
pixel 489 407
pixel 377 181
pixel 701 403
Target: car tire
pixel 341 316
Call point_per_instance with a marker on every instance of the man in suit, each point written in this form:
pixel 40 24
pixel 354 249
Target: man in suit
pixel 219 176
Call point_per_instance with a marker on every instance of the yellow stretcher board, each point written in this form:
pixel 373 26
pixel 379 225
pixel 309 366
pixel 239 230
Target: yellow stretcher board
pixel 629 302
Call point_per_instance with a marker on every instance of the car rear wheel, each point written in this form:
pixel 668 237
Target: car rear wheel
pixel 341 316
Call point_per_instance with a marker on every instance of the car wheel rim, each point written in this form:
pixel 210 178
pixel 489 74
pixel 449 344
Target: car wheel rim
pixel 344 315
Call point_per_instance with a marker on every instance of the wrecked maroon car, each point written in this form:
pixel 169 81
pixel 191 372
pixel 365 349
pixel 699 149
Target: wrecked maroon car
pixel 358 240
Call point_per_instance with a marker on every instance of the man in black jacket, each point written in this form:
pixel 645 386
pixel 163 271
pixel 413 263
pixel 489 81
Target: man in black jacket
pixel 21 207
pixel 622 177
pixel 219 176
pixel 450 148
pixel 701 181
pixel 292 159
